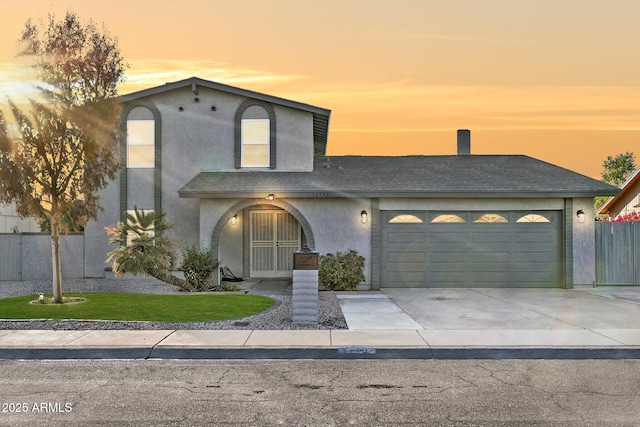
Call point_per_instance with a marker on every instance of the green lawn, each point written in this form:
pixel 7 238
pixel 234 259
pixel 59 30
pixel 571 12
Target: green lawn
pixel 155 308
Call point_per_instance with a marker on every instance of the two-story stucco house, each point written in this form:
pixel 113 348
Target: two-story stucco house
pixel 247 174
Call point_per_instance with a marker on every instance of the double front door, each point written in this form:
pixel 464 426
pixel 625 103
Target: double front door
pixel 274 236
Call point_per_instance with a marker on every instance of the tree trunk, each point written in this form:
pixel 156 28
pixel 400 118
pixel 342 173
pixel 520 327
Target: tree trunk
pixel 55 255
pixel 169 278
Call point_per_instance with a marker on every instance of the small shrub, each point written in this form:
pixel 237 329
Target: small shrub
pixel 198 266
pixel 226 287
pixel 342 271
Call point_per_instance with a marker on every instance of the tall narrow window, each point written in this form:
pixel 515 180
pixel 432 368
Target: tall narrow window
pixel 255 143
pixel 140 143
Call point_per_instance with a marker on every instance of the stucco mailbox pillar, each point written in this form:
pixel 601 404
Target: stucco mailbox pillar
pixel 305 286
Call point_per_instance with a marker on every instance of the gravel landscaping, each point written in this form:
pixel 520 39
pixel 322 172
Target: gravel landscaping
pixel 277 318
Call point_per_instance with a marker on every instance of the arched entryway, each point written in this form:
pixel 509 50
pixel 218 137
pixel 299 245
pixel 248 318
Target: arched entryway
pixel 257 238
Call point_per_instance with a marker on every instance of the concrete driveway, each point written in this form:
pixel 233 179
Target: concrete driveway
pixel 584 316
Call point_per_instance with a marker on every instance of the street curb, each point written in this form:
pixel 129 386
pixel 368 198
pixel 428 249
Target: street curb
pixel 345 353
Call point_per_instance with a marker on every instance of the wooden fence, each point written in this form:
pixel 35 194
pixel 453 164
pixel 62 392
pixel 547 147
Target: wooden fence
pixel 618 253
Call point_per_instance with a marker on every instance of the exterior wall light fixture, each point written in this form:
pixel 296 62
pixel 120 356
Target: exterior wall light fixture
pixel 234 220
pixel 364 217
pixel 580 215
pixel 271 197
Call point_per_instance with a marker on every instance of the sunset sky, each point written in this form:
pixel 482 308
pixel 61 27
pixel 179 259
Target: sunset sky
pixel 558 80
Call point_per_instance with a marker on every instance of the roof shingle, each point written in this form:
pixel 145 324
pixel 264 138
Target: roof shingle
pixel 405 176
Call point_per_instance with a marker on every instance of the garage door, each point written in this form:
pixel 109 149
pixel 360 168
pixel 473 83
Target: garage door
pixel 471 249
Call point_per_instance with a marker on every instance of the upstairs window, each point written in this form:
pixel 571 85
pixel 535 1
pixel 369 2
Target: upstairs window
pixel 255 143
pixel 140 143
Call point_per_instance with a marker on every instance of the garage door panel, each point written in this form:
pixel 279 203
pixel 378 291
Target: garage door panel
pixel 506 254
pixel 451 277
pixel 532 247
pixel 408 256
pixel 543 236
pixel 491 277
pixel 404 276
pixel 539 279
pixel 532 257
pixel 406 266
pixel 491 257
pixel 491 237
pixel 449 248
pixel 490 267
pixel 489 248
pixel 450 266
pixel 448 257
pixel 448 237
pixel 406 237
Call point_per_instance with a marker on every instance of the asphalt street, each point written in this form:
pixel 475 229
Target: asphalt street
pixel 320 392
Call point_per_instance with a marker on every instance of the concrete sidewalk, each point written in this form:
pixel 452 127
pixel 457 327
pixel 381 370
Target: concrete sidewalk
pixel 291 344
pixel 392 323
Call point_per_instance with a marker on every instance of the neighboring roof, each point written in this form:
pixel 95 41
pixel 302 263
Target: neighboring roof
pixel 626 187
pixel 320 115
pixel 408 176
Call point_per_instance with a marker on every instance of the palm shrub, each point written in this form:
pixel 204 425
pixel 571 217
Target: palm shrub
pixel 342 271
pixel 198 266
pixel 143 247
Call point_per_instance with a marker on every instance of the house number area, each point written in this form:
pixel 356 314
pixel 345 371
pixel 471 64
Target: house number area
pixel 320 194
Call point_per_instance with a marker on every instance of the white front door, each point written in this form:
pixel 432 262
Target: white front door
pixel 275 236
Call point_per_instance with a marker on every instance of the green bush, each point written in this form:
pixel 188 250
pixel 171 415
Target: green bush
pixel 341 271
pixel 226 287
pixel 198 266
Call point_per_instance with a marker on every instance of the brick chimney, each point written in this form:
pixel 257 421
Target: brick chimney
pixel 464 142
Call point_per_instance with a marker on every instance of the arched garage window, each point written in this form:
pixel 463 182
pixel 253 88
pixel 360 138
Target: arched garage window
pixel 532 218
pixel 447 219
pixel 405 219
pixel 491 218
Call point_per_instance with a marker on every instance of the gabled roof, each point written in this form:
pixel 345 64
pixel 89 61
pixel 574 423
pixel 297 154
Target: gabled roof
pixel 626 187
pixel 503 176
pixel 320 115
